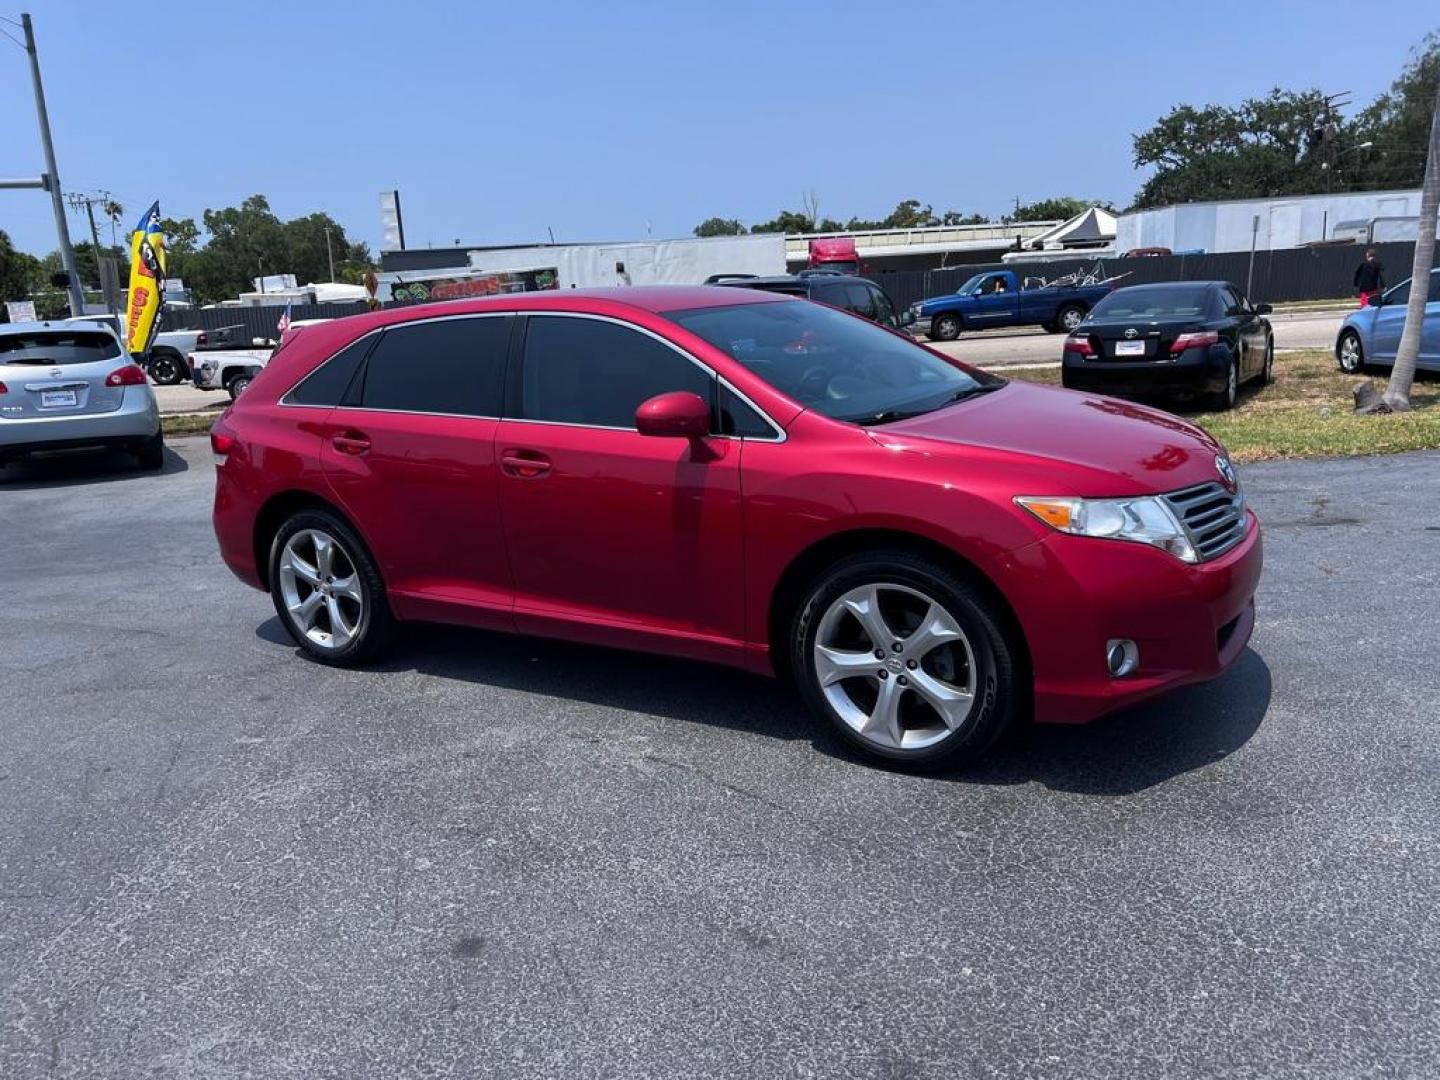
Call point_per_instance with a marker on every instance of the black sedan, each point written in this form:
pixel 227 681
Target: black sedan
pixel 1181 339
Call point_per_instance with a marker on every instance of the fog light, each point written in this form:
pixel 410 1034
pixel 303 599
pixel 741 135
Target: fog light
pixel 1122 656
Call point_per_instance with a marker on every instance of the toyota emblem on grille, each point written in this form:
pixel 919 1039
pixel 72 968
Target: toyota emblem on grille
pixel 1225 469
pixel 1131 332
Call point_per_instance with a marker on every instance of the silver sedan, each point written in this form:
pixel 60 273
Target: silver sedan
pixel 73 385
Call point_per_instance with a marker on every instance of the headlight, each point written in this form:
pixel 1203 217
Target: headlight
pixel 1147 519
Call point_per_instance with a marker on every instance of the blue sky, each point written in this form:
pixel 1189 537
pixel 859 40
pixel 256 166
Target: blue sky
pixel 499 120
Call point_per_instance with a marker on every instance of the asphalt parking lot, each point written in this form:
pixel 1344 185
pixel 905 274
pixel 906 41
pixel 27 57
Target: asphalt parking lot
pixel 500 857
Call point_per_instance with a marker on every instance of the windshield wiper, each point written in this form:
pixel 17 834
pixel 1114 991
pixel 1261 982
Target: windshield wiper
pixel 889 416
pixel 974 391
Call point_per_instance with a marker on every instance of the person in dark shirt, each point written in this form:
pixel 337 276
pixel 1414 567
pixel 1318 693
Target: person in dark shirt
pixel 1369 277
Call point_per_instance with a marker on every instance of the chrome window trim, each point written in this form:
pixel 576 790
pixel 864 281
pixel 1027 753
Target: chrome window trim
pixel 779 436
pixel 288 404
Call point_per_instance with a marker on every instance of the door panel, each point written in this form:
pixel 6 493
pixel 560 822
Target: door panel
pixel 410 454
pixel 619 526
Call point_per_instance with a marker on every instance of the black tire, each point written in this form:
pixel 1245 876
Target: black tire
pixel 1050 327
pixel 151 453
pixel 1347 341
pixel 946 327
pixel 1224 401
pixel 375 624
pixel 166 368
pixel 998 697
pixel 1069 317
pixel 1267 371
pixel 237 384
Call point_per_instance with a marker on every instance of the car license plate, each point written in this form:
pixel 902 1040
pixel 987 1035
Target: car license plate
pixel 57 399
pixel 1129 348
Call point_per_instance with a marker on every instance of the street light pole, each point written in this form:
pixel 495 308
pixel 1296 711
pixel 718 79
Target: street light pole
pixel 330 252
pixel 52 174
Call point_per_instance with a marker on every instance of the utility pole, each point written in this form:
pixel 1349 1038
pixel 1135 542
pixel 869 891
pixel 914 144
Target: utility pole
pixel 51 179
pixel 106 284
pixel 330 252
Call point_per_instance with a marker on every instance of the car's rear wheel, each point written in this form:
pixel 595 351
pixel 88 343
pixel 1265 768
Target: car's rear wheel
pixel 166 368
pixel 1350 353
pixel 151 453
pixel 1225 399
pixel 945 327
pixel 328 591
pixel 1069 317
pixel 237 385
pixel 905 659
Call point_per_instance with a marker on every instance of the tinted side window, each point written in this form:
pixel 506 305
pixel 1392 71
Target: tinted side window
pixel 1434 287
pixel 884 310
pixel 828 292
pixel 1233 304
pixel 586 371
pixel 326 385
pixel 859 300
pixel 738 418
pixel 452 366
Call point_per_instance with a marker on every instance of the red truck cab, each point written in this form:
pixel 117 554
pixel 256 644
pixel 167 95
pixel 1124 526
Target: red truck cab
pixel 836 253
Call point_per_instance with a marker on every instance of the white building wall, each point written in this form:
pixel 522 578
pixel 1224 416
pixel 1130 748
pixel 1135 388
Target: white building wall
pixel 1284 222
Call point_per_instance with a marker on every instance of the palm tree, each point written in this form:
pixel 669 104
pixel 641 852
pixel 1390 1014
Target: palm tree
pixel 1397 394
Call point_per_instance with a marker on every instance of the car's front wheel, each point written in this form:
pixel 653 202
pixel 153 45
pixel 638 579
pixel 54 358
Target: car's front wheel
pixel 905 659
pixel 1350 353
pixel 327 590
pixel 1267 373
pixel 945 327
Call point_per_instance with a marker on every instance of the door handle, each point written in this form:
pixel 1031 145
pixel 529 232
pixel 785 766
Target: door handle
pixel 524 464
pixel 353 443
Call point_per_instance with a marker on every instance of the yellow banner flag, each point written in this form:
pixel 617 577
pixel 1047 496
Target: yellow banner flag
pixel 147 282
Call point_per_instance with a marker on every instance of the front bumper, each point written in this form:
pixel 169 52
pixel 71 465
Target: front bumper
pixel 1193 372
pixel 1072 594
pixel 136 420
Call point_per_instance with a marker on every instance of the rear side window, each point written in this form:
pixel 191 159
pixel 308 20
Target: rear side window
pixel 452 366
pixel 585 371
pixel 326 385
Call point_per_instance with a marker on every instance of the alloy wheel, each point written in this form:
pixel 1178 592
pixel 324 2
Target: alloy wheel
pixel 895 666
pixel 1071 318
pixel 321 589
pixel 1350 354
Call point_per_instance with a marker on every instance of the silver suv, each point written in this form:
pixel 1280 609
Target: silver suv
pixel 72 385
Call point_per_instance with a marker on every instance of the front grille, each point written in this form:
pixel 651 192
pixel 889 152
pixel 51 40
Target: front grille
pixel 1214 518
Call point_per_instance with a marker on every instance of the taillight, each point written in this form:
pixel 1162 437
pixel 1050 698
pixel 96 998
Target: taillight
pixel 4 389
pixel 129 375
pixel 1197 339
pixel 1079 343
pixel 202 339
pixel 221 443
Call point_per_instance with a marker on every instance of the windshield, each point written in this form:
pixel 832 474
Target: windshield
pixel 971 285
pixel 58 347
pixel 1169 301
pixel 832 362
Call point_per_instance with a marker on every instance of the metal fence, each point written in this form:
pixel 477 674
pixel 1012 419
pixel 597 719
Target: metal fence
pixel 1288 274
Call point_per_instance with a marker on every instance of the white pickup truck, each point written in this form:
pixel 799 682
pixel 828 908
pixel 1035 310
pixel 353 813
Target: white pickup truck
pixel 165 362
pixel 232 369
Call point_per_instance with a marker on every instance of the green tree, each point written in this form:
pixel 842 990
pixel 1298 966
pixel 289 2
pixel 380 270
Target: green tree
pixel 718 226
pixel 787 221
pixel 19 273
pixel 954 217
pixel 1397 125
pixel 1059 208
pixel 245 241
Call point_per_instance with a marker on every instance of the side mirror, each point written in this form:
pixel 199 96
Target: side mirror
pixel 1264 309
pixel 1378 300
pixel 907 317
pixel 678 414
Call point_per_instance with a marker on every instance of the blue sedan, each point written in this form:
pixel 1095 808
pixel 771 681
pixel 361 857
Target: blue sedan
pixel 1372 334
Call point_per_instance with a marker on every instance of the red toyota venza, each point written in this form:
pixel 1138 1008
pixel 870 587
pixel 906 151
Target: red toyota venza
pixel 929 551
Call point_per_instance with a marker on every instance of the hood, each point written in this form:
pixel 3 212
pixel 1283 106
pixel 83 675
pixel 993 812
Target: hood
pixel 1094 445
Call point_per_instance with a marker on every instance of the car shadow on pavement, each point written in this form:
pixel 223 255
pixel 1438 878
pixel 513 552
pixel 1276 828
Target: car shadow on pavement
pixel 1121 754
pixel 70 468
